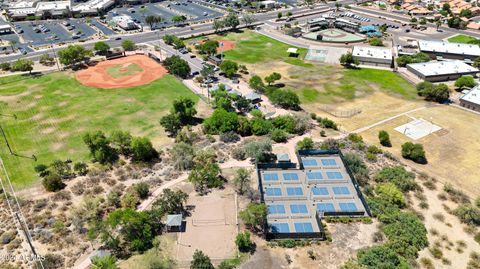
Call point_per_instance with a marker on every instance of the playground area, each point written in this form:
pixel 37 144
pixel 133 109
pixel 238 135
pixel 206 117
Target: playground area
pixel 334 36
pixel 125 72
pixel 211 228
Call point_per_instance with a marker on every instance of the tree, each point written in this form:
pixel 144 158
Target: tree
pixel 414 152
pixel 105 262
pixel 142 149
pixel 231 20
pixel 80 168
pixel 438 23
pixel 256 83
pixel 248 20
pixel 53 182
pixel 129 45
pixel 381 257
pixel 218 24
pixel 207 70
pixel 182 156
pixel 122 142
pixel 465 81
pixel 152 20
pixel 420 57
pixel 254 215
pixel 230 68
pixel 61 168
pixel 272 78
pixel 221 121
pixel 384 138
pixel 259 151
pixel 184 107
pixel 178 19
pixel 287 99
pixel 73 54
pixel 242 104
pixel 101 47
pixel 170 202
pixel 201 261
pixel 348 60
pixel 279 136
pixel 243 242
pixel 467 13
pixel 438 93
pixel 305 143
pixel 375 41
pixel 206 172
pixel 23 65
pixel 241 179
pixel 100 148
pixel 177 66
pixel 403 180
pixel 208 47
pixel 171 123
pixel 45 59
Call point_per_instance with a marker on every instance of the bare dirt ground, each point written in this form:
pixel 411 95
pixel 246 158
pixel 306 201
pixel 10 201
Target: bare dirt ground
pixel 98 77
pixel 212 226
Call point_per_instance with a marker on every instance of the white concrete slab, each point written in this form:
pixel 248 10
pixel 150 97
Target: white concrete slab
pixel 418 128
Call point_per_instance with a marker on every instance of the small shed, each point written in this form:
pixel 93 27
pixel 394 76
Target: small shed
pixel 214 60
pixel 174 222
pixel 283 157
pixel 292 52
pixel 253 97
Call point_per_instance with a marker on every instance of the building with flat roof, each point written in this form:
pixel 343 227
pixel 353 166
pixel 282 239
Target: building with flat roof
pixel 441 49
pixel 471 99
pixel 376 56
pixel 298 198
pixel 125 22
pixel 441 71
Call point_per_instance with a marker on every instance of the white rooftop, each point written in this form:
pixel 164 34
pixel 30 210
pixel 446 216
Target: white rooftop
pixel 473 96
pixel 442 68
pixel 372 52
pixel 447 47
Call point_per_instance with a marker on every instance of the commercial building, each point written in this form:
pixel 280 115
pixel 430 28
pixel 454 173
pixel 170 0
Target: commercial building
pixel 441 71
pixel 298 198
pixel 5 29
pixel 445 50
pixel 124 22
pixel 471 100
pixel 376 56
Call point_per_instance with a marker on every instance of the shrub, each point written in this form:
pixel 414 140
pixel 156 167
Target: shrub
pixel 384 138
pixel 397 175
pixel 53 182
pixel 373 149
pixel 142 190
pixel 355 138
pixel 467 213
pixel 243 241
pixel 414 152
pixel 279 136
pixel 286 99
pixel 390 193
pixel 327 123
pixel 465 81
pixel 229 137
pixel 305 143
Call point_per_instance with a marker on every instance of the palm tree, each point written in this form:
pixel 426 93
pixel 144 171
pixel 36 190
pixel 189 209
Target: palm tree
pixel 438 23
pixel 12 44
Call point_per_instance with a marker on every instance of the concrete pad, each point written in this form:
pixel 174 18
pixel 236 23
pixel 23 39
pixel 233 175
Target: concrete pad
pixel 418 128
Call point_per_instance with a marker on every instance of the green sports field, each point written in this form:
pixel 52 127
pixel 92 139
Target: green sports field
pixel 465 39
pixel 54 111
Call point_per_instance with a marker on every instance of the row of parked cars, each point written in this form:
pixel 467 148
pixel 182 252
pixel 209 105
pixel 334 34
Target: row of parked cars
pixel 355 16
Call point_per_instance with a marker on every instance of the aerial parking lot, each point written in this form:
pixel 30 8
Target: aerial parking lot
pixel 167 10
pixel 46 32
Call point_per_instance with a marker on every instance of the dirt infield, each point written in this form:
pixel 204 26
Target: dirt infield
pixel 225 45
pixel 99 77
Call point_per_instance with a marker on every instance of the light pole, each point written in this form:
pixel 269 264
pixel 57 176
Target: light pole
pixel 55 55
pixel 159 45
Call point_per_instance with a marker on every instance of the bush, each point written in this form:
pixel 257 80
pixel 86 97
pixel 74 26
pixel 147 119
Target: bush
pixel 221 121
pixel 380 257
pixel 279 136
pixel 53 182
pixel 142 190
pixel 432 92
pixel 177 66
pixel 414 152
pixel 420 57
pixel 229 137
pixel 397 175
pixel 468 213
pixel 286 99
pixel 327 123
pixel 358 167
pixel 305 143
pixel 373 149
pixel 384 138
pixel 243 241
pixel 465 82
pixel 390 193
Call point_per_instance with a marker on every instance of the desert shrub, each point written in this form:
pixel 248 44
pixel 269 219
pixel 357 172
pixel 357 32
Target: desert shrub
pixel 397 175
pixel 53 182
pixel 414 152
pixel 384 138
pixel 229 137
pixel 355 138
pixel 279 136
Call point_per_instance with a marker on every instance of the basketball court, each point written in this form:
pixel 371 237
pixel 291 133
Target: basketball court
pixel 212 226
pixel 125 72
pixel 418 128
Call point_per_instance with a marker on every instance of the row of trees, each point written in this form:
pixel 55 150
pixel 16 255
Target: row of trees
pixel 231 21
pixel 284 98
pixel 433 92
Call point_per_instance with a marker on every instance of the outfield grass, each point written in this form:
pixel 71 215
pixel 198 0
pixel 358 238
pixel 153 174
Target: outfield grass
pixel 116 71
pixel 251 48
pixel 54 111
pixel 465 39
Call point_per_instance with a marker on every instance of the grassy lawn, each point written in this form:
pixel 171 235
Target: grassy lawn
pixel 465 39
pixel 54 111
pixel 120 71
pixel 251 48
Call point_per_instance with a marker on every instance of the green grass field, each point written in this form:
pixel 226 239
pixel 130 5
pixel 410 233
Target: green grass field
pixel 465 39
pixel 118 70
pixel 54 111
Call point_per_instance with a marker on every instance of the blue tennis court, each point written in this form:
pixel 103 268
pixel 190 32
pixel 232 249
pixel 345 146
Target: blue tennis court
pixel 309 162
pixel 314 175
pixel 280 228
pixel 348 207
pixel 270 177
pixel 325 207
pixel 303 227
pixel 320 191
pixel 334 175
pixel 290 176
pixel 329 162
pixel 273 192
pixel 298 209
pixel 294 191
pixel 276 209
pixel 341 190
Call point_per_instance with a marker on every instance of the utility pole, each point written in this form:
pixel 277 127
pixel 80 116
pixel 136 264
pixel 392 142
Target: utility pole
pixel 55 55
